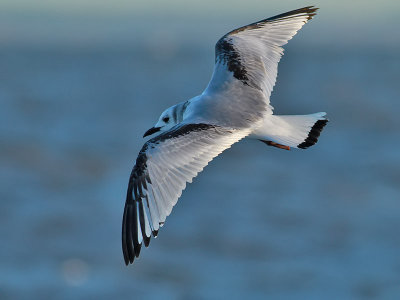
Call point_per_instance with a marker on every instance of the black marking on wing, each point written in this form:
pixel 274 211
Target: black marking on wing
pixel 135 199
pixel 226 53
pixel 309 10
pixel 180 130
pixel 130 245
pixel 313 135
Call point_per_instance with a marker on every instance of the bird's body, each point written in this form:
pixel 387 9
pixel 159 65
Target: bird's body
pixel 235 105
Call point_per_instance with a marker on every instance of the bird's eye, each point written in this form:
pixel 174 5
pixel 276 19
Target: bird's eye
pixel 165 119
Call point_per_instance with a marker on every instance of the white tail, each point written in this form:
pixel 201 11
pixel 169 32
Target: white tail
pixel 298 131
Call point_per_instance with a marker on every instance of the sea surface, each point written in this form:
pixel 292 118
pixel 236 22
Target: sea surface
pixel 257 223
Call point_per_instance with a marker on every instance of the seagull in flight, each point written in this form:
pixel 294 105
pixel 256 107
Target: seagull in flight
pixel 235 105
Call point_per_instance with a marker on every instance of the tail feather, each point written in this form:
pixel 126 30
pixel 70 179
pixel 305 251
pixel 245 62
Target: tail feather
pixel 297 131
pixel 313 135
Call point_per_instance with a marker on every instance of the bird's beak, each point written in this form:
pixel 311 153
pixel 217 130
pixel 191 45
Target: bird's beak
pixel 151 131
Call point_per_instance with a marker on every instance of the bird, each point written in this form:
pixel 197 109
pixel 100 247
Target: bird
pixel 235 105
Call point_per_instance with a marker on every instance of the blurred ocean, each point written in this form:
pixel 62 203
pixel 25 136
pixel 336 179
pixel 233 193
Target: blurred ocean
pixel 257 223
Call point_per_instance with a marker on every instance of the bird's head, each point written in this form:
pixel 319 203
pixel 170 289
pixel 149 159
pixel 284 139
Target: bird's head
pixel 166 121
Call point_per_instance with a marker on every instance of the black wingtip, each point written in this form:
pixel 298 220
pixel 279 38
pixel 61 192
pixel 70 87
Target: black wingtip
pixel 137 251
pixel 314 134
pixel 125 250
pixel 130 239
pixel 127 225
pixel 309 10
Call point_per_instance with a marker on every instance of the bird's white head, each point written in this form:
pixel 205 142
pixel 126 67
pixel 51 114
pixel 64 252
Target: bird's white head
pixel 168 119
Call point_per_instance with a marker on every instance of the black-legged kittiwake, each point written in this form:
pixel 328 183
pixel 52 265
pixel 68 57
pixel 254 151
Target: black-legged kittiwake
pixel 235 105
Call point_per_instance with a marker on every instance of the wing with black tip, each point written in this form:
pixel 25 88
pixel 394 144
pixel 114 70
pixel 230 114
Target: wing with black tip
pixel 164 166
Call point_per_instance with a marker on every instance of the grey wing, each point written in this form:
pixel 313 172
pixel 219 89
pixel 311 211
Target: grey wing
pixel 164 166
pixel 246 60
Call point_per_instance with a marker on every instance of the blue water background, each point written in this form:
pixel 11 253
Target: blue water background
pixel 258 222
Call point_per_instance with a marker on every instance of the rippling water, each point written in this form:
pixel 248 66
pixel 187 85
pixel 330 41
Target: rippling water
pixel 258 222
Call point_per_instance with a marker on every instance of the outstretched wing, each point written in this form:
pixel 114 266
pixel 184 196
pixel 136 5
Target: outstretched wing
pixel 163 167
pixel 246 59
